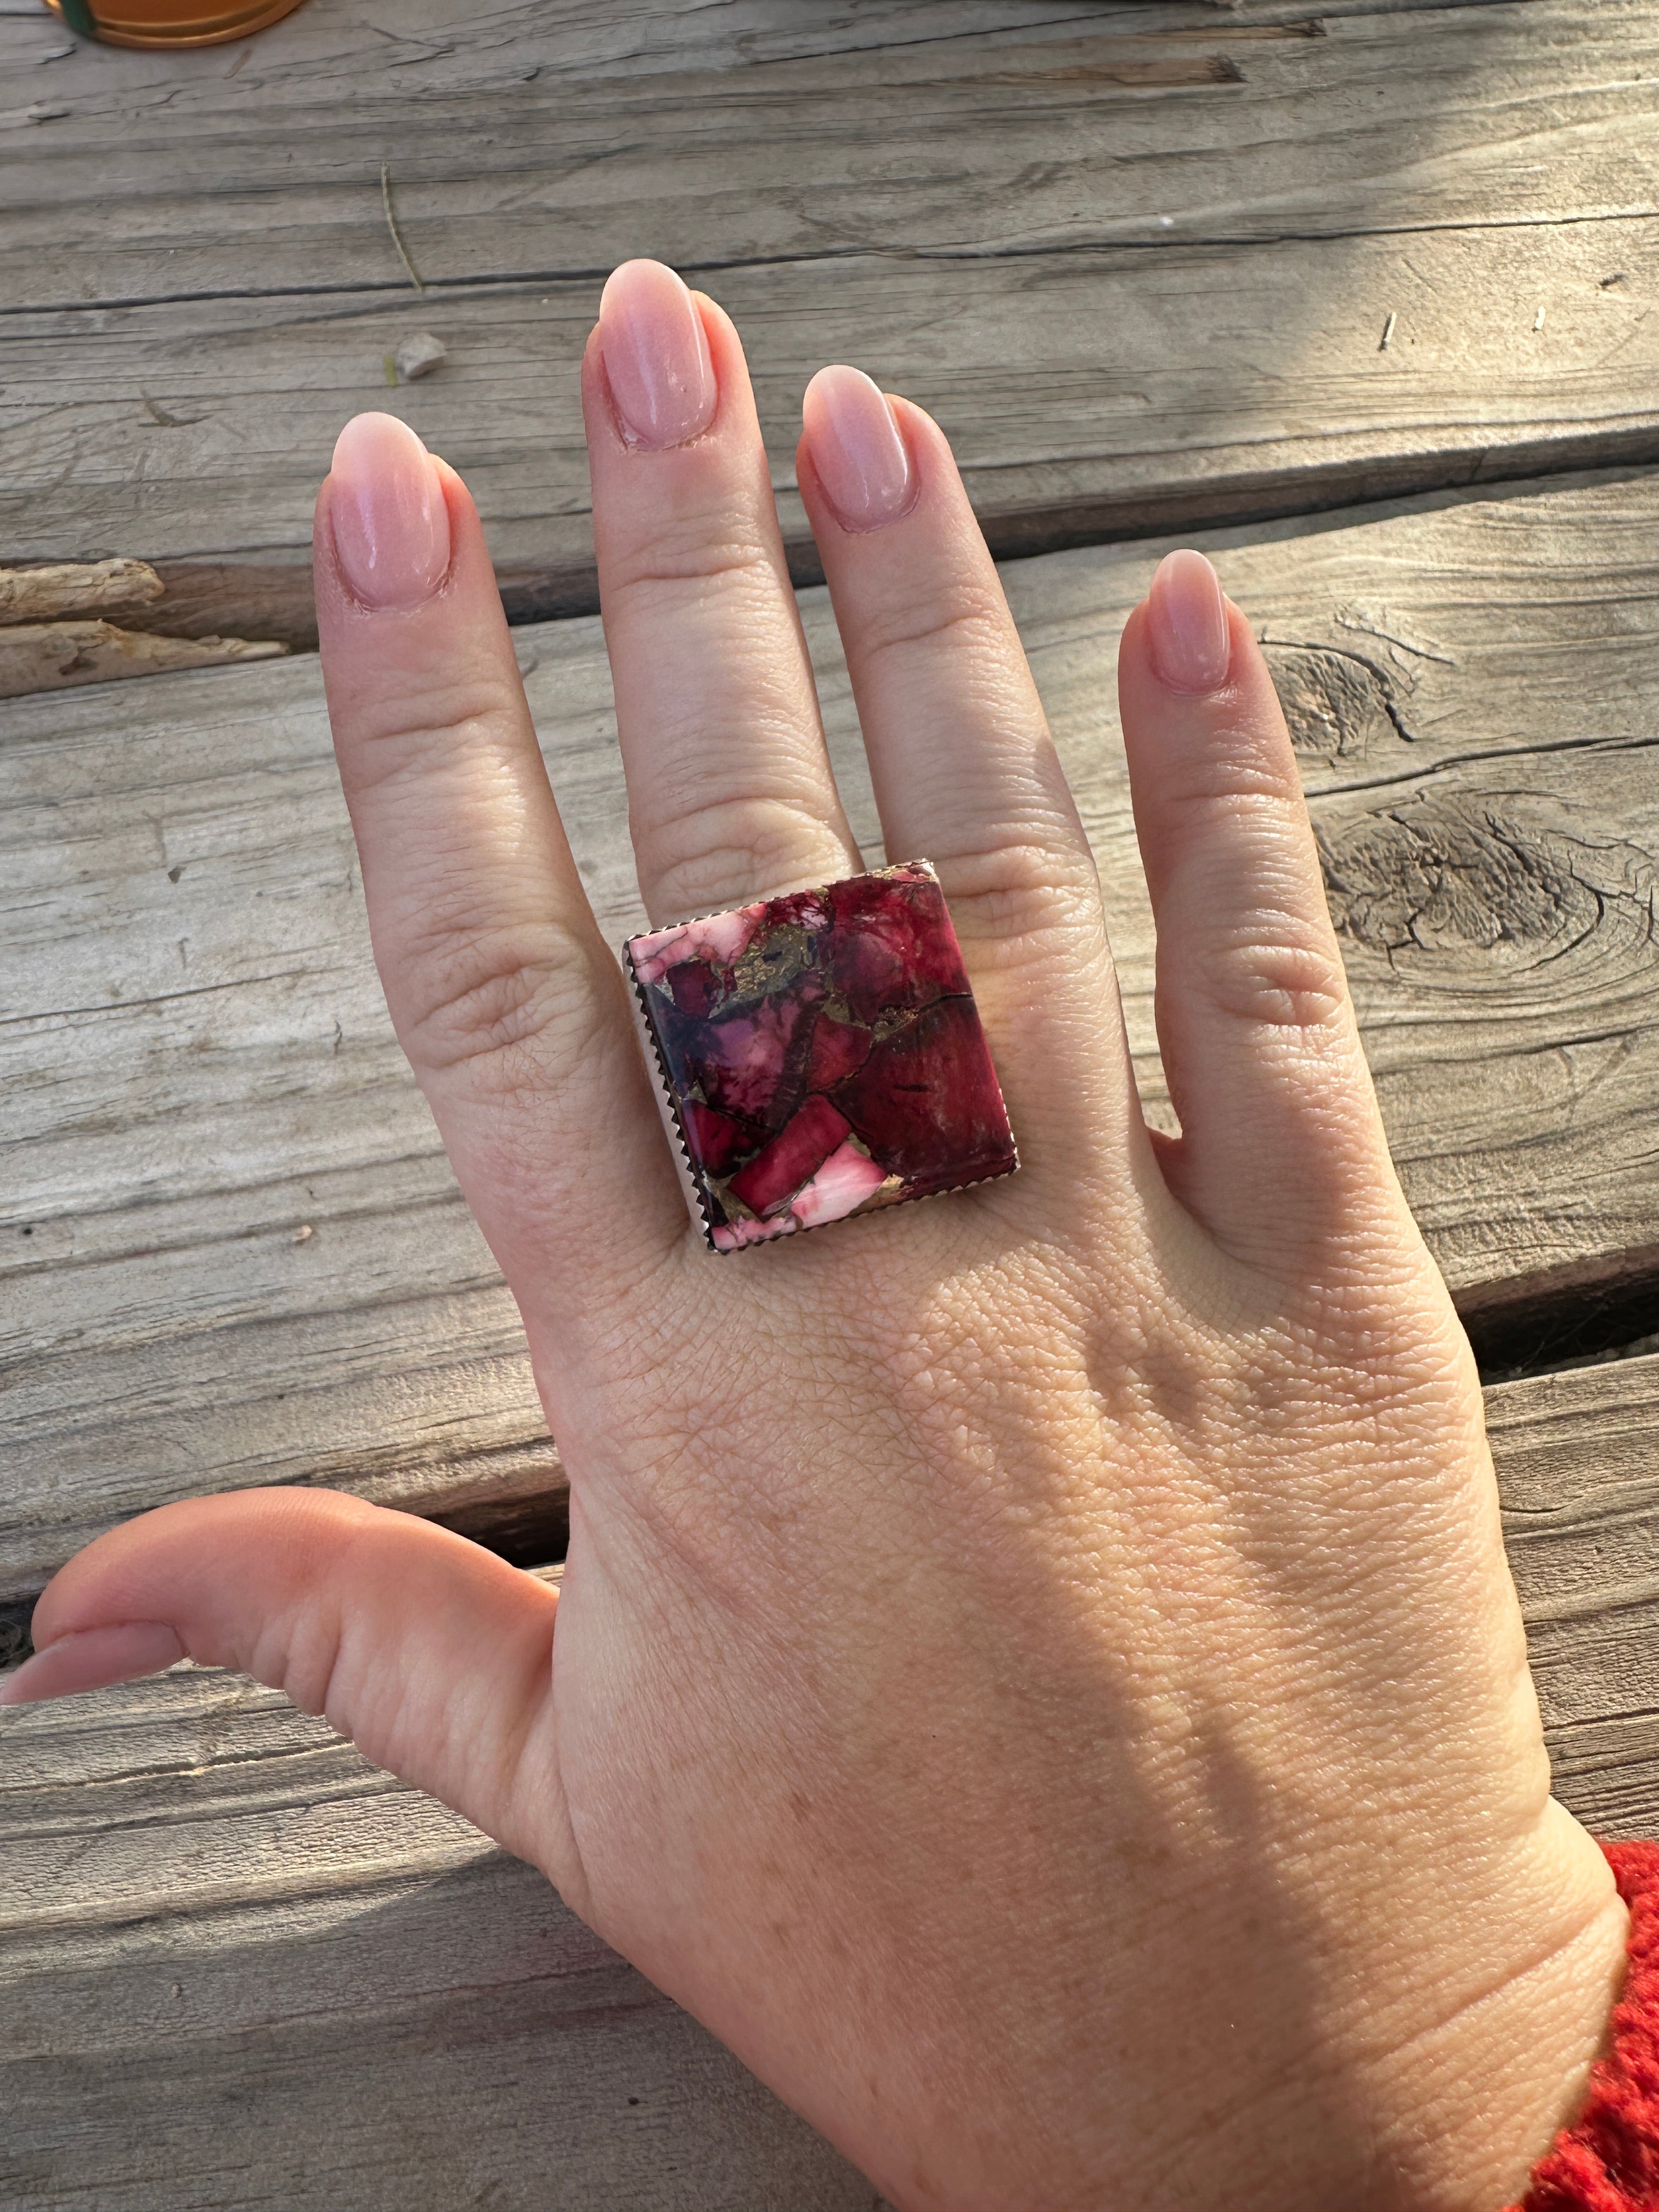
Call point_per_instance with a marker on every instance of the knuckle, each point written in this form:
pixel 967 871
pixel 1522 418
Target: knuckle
pixel 700 858
pixel 1273 970
pixel 396 734
pixel 489 996
pixel 689 554
pixel 1024 890
pixel 1238 774
pixel 960 617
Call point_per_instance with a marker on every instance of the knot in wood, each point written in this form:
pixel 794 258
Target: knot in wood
pixel 1336 703
pixel 1439 877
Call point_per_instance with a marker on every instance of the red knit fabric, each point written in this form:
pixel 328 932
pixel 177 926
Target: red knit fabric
pixel 1608 2160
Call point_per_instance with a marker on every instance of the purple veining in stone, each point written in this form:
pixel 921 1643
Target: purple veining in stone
pixel 822 1054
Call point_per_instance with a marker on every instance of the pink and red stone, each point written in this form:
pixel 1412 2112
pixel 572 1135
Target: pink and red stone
pixel 822 1055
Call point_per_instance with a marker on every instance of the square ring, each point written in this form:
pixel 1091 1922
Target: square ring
pixel 819 1055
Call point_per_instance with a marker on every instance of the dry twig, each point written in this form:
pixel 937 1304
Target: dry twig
pixel 415 277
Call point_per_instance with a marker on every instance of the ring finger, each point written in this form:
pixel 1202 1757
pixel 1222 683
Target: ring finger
pixel 731 796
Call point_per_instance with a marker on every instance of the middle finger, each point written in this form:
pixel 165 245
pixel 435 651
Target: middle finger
pixel 731 796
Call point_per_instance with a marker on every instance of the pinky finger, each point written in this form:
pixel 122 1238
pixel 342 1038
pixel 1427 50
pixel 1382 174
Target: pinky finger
pixel 1281 1140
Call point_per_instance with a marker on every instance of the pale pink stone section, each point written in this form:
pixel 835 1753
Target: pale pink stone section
pixel 845 1181
pixel 733 1236
pixel 719 938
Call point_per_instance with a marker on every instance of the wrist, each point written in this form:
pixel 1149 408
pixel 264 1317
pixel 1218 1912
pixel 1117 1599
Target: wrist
pixel 1482 2094
pixel 1425 2065
pixel 1607 2160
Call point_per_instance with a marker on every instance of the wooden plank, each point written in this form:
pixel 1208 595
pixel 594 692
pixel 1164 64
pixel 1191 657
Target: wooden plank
pixel 1579 1474
pixel 232 1247
pixel 240 1968
pixel 239 1965
pixel 734 162
pixel 1137 301
pixel 218 1158
pixel 434 43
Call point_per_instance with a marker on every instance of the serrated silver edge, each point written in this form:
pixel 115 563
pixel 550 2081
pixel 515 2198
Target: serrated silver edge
pixel 697 1198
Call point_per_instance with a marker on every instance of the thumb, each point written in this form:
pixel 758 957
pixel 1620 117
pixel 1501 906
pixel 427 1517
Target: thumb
pixel 434 1657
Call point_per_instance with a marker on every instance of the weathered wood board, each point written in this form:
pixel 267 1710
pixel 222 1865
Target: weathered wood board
pixel 1139 260
pixel 231 1249
pixel 1577 1458
pixel 238 1968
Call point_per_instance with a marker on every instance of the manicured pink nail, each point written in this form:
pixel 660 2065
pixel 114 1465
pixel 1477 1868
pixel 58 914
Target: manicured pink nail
pixel 656 355
pixel 1187 617
pixel 91 1659
pixel 387 506
pixel 858 450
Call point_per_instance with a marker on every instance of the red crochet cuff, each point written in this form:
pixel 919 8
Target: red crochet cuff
pixel 1608 2160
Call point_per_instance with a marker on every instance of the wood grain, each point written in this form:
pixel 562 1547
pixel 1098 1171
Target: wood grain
pixel 241 1968
pixel 1140 259
pixel 233 1251
pixel 1136 301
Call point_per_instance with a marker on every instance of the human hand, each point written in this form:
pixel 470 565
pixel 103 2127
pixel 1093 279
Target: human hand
pixel 1035 1673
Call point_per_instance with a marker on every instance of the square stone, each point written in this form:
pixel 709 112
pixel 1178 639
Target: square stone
pixel 820 1055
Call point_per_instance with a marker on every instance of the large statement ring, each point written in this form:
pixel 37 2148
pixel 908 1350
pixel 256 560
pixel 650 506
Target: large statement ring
pixel 819 1055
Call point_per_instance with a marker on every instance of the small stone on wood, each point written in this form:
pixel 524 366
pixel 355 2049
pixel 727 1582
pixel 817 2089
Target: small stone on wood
pixel 418 356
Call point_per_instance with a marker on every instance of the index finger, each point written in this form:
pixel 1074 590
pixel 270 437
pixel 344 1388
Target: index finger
pixel 505 998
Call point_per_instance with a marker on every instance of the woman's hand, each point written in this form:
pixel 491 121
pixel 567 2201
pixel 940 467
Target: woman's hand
pixel 1035 1672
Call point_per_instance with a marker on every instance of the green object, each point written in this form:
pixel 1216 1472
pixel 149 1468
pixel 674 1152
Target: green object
pixel 77 14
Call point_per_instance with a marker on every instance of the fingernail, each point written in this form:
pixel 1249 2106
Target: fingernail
pixel 1187 617
pixel 656 355
pixel 91 1659
pixel 390 520
pixel 858 450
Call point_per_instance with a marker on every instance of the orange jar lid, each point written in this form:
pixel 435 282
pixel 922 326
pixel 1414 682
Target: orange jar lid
pixel 169 22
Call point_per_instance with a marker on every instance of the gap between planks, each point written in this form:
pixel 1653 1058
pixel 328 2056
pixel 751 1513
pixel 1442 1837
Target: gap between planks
pixel 274 602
